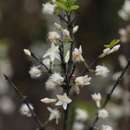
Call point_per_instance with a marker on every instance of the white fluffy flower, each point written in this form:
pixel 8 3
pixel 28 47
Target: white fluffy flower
pixel 126 6
pixel 123 61
pixel 81 115
pixel 78 126
pixel 57 78
pixel 75 29
pixel 35 72
pixel 50 85
pixel 48 100
pixel 97 98
pixel 63 100
pixel 101 70
pixel 123 35
pixel 103 113
pixel 82 80
pixel 48 8
pixel 54 114
pixel 124 13
pixel 27 52
pixel 53 37
pixel 58 26
pixel 66 33
pixel 106 127
pixel 54 80
pixel 52 53
pixel 77 55
pixel 24 110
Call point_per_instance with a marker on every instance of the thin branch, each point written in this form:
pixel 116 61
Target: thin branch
pixel 94 122
pixel 63 18
pixel 63 64
pixel 72 71
pixel 40 62
pixel 89 69
pixel 66 67
pixel 109 95
pixel 34 115
pixel 66 87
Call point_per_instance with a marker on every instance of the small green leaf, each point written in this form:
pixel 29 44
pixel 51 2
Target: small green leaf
pixel 112 43
pixel 61 5
pixel 74 7
pixel 67 5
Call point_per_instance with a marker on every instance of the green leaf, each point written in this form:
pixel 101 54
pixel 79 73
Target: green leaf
pixel 112 43
pixel 74 7
pixel 61 6
pixel 67 5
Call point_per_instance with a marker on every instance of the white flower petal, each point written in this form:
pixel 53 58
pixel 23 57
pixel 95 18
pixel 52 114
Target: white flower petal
pixel 52 53
pixel 82 80
pixel 54 114
pixel 27 52
pixel 48 100
pixel 77 55
pixel 59 103
pixel 65 106
pixel 63 100
pixel 75 29
pixel 53 37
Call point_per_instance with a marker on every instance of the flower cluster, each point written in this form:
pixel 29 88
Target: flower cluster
pixel 65 55
pixel 108 51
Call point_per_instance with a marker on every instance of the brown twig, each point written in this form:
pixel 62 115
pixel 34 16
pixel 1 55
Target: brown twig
pixel 40 62
pixel 25 100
